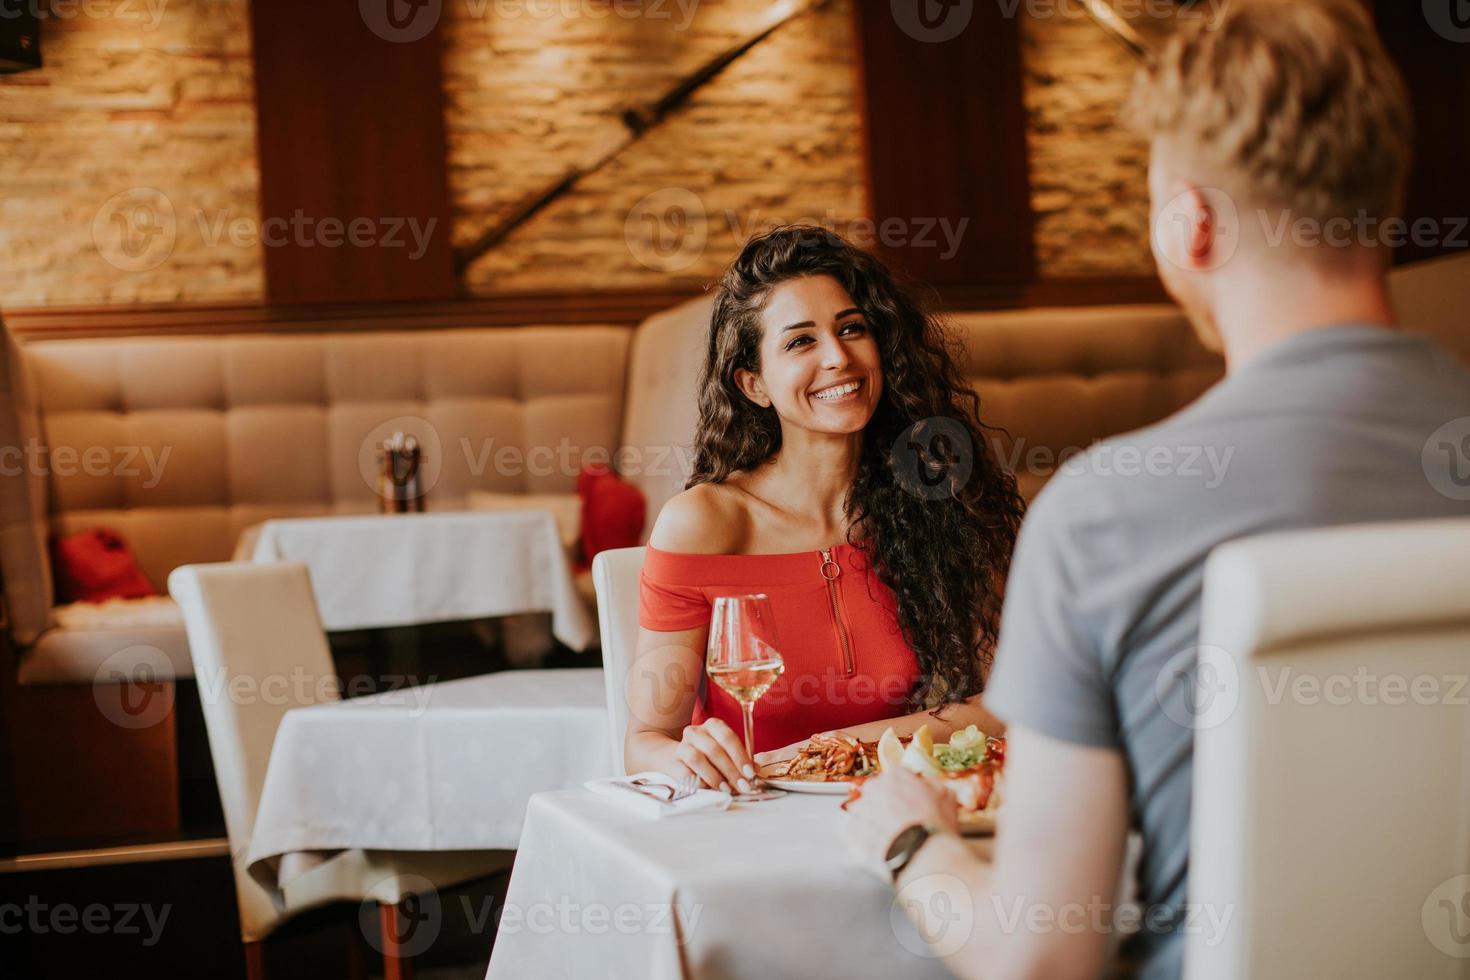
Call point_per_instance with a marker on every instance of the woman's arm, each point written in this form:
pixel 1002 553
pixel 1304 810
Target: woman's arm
pixel 943 722
pixel 661 687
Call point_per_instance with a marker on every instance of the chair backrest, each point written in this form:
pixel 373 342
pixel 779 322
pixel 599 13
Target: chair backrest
pixel 259 651
pixel 664 365
pixel 1331 809
pixel 616 576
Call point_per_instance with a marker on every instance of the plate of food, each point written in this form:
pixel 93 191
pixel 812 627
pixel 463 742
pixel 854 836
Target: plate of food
pixel 828 763
pixel 969 766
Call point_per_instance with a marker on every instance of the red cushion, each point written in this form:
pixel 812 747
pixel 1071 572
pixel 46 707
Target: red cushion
pixel 613 512
pixel 97 564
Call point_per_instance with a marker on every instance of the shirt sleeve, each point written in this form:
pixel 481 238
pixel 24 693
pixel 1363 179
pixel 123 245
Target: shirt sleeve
pixel 1048 674
pixel 668 607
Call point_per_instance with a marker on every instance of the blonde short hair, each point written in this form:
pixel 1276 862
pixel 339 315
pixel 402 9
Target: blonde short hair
pixel 1286 103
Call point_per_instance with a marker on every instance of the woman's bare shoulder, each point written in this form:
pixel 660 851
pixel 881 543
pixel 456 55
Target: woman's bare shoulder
pixel 707 519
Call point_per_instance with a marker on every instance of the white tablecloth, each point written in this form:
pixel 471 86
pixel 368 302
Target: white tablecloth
pixel 446 766
pixel 759 891
pixel 380 570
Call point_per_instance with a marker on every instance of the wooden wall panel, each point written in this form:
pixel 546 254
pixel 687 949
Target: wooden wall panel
pixel 1431 43
pixel 627 308
pixel 351 129
pixel 945 130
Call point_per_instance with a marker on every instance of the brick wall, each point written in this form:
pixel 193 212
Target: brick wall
pixel 126 152
pixel 128 172
pixel 1089 176
pixel 774 138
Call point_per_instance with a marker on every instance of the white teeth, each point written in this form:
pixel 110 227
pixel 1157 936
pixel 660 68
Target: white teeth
pixel 832 393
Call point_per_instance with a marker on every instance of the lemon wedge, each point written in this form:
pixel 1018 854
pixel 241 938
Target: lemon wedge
pixel 916 760
pixel 890 751
pixel 924 741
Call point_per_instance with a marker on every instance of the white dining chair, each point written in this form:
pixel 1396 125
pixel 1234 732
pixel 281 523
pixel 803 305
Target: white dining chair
pixel 249 623
pixel 1331 810
pixel 615 575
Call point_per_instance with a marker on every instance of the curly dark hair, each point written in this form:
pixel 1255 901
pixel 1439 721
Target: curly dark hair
pixel 936 518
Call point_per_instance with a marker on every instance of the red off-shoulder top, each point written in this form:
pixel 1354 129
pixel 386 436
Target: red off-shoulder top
pixel 837 629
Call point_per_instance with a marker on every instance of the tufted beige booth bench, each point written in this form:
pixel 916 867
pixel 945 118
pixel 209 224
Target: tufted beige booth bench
pixel 1054 381
pixel 181 443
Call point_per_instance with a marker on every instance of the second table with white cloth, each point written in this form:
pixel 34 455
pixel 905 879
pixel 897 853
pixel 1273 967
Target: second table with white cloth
pixel 443 767
pixel 378 570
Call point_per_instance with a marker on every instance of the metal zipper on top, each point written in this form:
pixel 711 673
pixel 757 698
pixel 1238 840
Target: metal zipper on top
pixel 830 572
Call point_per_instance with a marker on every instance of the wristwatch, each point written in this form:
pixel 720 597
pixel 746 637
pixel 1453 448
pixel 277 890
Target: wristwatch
pixel 907 844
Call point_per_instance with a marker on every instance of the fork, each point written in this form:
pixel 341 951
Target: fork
pixel 682 788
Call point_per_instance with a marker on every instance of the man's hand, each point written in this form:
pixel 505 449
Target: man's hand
pixel 891 802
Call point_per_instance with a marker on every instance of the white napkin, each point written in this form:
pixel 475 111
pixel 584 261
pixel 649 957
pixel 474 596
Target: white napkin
pixel 701 799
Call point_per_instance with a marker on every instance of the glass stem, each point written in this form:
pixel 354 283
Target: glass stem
pixel 747 710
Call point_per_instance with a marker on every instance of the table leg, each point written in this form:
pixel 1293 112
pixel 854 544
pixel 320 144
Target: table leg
pixel 255 961
pixel 358 951
pixel 396 965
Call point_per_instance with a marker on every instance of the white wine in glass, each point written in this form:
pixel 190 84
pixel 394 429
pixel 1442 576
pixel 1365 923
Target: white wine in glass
pixel 743 659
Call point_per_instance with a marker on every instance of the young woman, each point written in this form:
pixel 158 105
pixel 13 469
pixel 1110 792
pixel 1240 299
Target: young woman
pixel 841 469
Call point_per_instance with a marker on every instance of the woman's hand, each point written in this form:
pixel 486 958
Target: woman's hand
pixel 716 755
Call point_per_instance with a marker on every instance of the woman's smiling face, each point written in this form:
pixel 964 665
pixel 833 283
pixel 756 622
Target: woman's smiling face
pixel 820 366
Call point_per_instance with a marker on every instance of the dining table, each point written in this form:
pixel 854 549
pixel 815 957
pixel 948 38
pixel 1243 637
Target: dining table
pixel 758 890
pixel 371 571
pixel 441 767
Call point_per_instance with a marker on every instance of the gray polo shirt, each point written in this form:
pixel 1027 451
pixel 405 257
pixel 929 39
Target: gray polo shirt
pixel 1341 425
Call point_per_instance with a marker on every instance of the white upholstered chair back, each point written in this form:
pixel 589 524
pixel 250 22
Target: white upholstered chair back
pixel 1331 810
pixel 259 651
pixel 616 576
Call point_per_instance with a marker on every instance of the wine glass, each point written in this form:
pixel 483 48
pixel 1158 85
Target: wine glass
pixel 743 660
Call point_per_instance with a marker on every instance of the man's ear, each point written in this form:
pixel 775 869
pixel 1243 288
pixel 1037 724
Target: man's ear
pixel 1204 228
pixel 1196 230
pixel 750 385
